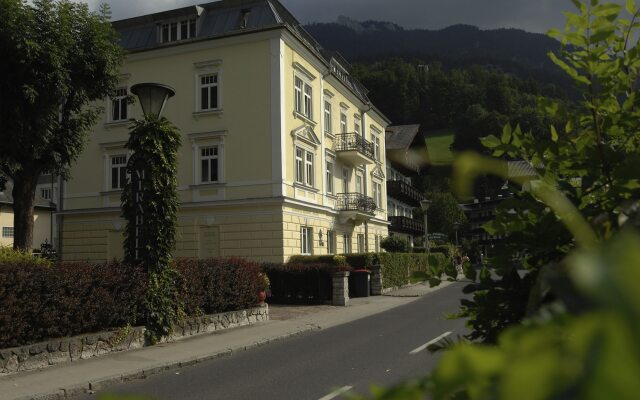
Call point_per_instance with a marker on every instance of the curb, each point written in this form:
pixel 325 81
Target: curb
pixel 93 386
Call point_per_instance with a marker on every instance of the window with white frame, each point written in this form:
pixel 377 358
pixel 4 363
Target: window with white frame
pixel 377 194
pixel 209 92
pixel 118 171
pixel 305 167
pixel 299 165
pixel 178 30
pixel 327 117
pixel 375 138
pixel 331 242
pixel 7 232
pixel 343 121
pixel 303 94
pixel 329 177
pixel 361 246
pixel 345 180
pixel 119 105
pixel 46 193
pixel 309 169
pixel 306 240
pixel 346 238
pixel 377 243
pixel 209 164
pixel 356 126
pixel 359 183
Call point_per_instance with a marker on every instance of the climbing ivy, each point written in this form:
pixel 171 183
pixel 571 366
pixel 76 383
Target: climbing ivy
pixel 154 143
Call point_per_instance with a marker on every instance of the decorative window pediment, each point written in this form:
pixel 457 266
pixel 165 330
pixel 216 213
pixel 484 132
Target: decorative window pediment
pixel 377 173
pixel 306 134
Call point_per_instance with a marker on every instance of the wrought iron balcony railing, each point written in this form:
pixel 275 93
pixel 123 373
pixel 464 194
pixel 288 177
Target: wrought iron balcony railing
pixel 355 202
pixel 404 192
pixel 406 225
pixel 355 141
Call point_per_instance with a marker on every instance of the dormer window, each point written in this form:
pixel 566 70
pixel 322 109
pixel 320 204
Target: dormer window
pixel 178 30
pixel 244 17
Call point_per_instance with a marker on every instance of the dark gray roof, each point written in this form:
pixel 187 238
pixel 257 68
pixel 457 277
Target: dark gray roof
pixel 224 18
pixel 7 198
pixel 400 136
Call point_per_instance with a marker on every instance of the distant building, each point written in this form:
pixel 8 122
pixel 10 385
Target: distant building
pixel 44 221
pixel 406 156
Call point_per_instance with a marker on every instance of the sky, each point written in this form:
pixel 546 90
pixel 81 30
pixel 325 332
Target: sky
pixel 530 15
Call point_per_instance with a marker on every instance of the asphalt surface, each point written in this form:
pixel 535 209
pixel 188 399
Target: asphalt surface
pixel 372 350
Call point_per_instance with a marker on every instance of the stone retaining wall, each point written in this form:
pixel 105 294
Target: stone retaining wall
pixel 52 352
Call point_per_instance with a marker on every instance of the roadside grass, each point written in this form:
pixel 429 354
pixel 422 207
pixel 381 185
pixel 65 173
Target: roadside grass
pixel 438 145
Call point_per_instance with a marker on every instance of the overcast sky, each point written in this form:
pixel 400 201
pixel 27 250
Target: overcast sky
pixel 530 15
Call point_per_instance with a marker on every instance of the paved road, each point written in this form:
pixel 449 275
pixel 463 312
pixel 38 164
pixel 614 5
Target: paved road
pixel 372 350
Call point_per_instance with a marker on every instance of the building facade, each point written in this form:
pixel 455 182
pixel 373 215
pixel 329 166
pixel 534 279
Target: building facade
pixel 282 152
pixel 405 160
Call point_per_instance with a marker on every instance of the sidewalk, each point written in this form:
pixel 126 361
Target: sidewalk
pixel 71 379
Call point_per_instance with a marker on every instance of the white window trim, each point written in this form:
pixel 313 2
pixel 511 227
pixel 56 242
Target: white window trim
pixel 109 150
pixel 331 241
pixel 208 67
pixel 207 139
pixel 306 83
pixel 305 178
pixel 306 237
pixel 330 182
pixel 178 23
pixel 110 100
pixel 6 230
pixel 344 124
pixel 327 120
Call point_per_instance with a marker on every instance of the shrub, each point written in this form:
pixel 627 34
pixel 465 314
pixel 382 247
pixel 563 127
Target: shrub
pixel 394 244
pixel 10 256
pixel 219 284
pixel 446 249
pixel 39 302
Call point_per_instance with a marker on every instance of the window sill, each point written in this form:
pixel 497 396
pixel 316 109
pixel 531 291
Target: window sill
pixel 206 113
pixel 117 124
pixel 331 196
pixel 111 192
pixel 208 185
pixel 305 187
pixel 330 135
pixel 304 118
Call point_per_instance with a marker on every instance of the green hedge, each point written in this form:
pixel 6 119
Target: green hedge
pixel 396 267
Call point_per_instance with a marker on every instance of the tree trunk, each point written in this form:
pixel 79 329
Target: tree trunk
pixel 24 191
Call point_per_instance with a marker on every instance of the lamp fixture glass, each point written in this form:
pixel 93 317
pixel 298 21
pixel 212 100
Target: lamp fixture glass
pixel 153 97
pixel 425 204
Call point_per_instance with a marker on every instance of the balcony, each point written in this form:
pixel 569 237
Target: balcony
pixel 406 225
pixel 405 193
pixel 356 207
pixel 354 150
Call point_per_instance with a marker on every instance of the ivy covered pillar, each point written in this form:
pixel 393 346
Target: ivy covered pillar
pixel 150 206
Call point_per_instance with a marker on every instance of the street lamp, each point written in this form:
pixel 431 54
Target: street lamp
pixel 152 96
pixel 425 204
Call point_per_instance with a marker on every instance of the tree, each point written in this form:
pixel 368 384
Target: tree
pixel 57 57
pixel 444 212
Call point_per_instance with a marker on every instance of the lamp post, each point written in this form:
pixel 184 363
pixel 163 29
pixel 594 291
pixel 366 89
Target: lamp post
pixel 425 204
pixel 153 97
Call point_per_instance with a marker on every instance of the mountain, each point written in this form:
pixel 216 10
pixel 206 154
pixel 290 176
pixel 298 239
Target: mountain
pixel 511 50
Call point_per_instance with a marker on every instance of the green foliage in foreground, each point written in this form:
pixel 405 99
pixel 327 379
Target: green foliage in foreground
pixel 559 312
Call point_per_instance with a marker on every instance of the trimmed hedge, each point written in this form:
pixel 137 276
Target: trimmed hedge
pixel 219 284
pixel 396 267
pixel 40 302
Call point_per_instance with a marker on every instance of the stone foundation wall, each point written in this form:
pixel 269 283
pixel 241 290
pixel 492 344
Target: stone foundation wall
pixel 41 355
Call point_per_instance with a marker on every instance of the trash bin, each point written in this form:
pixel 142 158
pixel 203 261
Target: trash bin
pixel 360 283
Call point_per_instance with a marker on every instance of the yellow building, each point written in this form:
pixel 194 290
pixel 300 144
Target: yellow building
pixel 44 224
pixel 282 152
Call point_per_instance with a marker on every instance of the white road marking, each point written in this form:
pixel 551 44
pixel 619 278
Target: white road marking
pixel 336 393
pixel 429 343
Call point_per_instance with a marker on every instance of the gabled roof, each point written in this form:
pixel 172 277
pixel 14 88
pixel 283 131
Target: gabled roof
pixel 401 136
